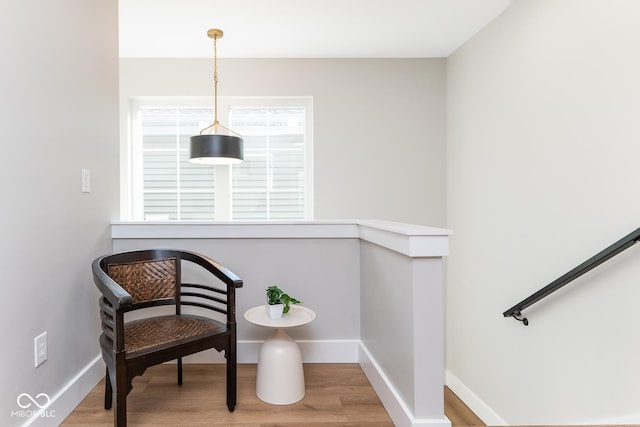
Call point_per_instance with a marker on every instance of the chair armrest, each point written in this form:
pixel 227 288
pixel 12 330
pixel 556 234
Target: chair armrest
pixel 114 293
pixel 213 266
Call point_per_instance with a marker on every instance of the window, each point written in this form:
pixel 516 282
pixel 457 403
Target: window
pixel 272 183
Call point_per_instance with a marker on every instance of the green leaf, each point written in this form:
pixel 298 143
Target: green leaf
pixel 275 295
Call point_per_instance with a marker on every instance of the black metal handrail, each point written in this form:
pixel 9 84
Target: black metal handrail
pixel 602 256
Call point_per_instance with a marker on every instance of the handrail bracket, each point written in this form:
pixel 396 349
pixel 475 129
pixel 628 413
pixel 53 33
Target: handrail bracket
pixel 518 316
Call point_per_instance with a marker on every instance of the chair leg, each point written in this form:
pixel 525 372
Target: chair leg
pixel 108 391
pixel 232 376
pixel 121 390
pixel 120 415
pixel 179 370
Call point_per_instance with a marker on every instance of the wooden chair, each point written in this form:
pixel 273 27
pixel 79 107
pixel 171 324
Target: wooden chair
pixel 149 278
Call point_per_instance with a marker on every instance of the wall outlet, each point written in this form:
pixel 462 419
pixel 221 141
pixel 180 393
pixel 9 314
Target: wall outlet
pixel 40 349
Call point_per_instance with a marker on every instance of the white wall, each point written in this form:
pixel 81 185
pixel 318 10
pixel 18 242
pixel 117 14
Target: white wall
pixel 543 145
pixel 379 125
pixel 59 114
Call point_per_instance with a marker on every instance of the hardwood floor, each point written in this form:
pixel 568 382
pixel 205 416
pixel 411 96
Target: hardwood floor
pixel 458 413
pixel 337 395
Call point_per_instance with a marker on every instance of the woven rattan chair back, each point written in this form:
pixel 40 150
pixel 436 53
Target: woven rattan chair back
pixel 146 281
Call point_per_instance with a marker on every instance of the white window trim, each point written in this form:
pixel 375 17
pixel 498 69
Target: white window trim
pixel 131 162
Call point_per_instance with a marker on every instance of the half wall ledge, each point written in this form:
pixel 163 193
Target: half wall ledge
pixel 407 239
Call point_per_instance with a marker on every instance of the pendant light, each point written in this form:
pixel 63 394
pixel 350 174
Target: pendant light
pixel 215 145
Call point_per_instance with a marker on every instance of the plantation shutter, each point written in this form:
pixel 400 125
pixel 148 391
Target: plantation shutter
pixel 173 187
pixel 270 183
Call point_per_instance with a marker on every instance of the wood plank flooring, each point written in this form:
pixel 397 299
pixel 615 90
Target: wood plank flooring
pixel 337 395
pixel 458 413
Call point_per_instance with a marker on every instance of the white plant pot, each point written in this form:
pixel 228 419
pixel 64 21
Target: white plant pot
pixel 274 311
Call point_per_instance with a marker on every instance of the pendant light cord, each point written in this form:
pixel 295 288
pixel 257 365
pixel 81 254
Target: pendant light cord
pixel 216 124
pixel 215 80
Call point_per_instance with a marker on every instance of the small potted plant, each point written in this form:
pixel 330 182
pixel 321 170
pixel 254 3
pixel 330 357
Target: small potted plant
pixel 278 302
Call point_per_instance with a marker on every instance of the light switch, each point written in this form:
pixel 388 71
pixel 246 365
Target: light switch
pixel 86 181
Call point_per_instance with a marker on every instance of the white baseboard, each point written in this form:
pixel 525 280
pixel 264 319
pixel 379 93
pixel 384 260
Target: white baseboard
pixel 477 405
pixel 69 396
pixel 390 398
pixel 329 351
pixel 628 420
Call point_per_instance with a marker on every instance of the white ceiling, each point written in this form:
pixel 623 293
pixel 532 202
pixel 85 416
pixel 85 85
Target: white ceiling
pixel 301 28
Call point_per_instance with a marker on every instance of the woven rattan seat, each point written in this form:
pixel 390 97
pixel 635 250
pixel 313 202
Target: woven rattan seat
pixel 135 280
pixel 157 332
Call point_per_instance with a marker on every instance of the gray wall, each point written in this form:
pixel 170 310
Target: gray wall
pixel 402 325
pixel 59 110
pixel 542 149
pixel 379 125
pixel 323 273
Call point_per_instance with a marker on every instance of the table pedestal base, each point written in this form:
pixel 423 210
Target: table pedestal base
pixel 280 377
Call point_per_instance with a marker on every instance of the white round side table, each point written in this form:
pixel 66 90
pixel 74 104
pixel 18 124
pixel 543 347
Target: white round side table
pixel 280 376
